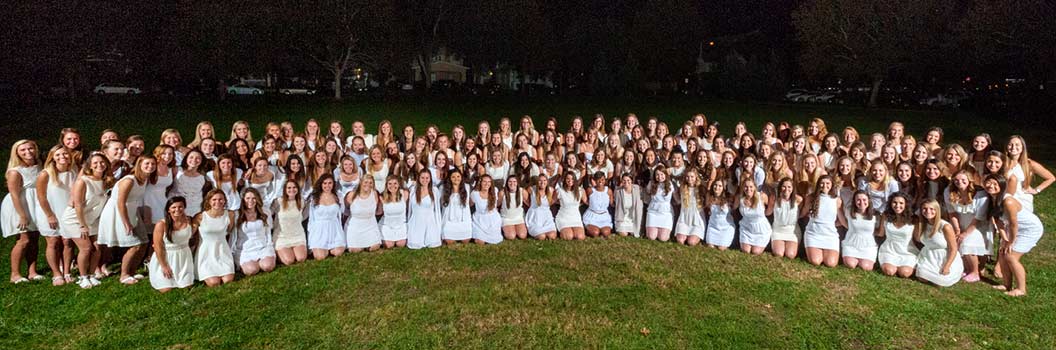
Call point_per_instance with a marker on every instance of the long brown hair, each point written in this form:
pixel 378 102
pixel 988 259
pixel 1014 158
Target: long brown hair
pixel 170 223
pixel 297 199
pixel 258 209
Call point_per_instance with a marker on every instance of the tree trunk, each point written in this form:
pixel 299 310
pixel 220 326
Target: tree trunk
pixel 877 80
pixel 425 66
pixel 337 83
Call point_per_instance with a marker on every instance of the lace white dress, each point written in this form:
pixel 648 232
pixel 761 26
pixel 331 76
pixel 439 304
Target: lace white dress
pixel 785 226
pixel 978 241
pixel 324 227
pixel 288 232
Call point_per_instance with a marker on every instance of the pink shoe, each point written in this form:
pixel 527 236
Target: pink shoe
pixel 971 278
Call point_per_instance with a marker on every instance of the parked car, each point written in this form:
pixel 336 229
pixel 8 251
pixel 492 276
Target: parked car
pixel 944 100
pixel 297 91
pixel 792 94
pixel 116 89
pixel 240 89
pixel 822 97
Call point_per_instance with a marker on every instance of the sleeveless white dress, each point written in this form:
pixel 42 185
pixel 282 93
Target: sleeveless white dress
pixel 234 199
pixel 860 241
pixel 720 226
pixel 179 258
pixel 423 221
pixel 324 227
pixel 8 214
pixel 898 248
pixel 190 188
pixel 58 194
pixel 1026 200
pixel 288 232
pixel 786 221
pixel 513 214
pixel 975 242
pixel 112 231
pixel 154 197
pixel 597 213
pixel 214 257
pixel 457 218
pixel 1030 230
pixel 94 200
pixel 253 242
pixel 659 213
pixel 380 176
pixel 499 174
pixel 269 192
pixel 361 229
pixel 933 256
pixel 755 229
pixel 821 229
pixel 540 219
pixel 568 212
pixel 394 222
pixel 690 220
pixel 344 187
pixel 487 224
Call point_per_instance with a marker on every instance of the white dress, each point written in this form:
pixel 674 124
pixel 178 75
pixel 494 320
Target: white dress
pixel 879 198
pixel 154 197
pixel 979 241
pixel 324 227
pixel 860 241
pixel 269 192
pixel 933 256
pixel 898 248
pixel 190 188
pixel 8 214
pixel 94 200
pixel 112 231
pixel 786 217
pixel 343 187
pixel 597 213
pixel 499 174
pixel 457 218
pixel 380 176
pixel 253 242
pixel 423 221
pixel 821 229
pixel 361 229
pixel 180 260
pixel 659 213
pixel 288 232
pixel 234 199
pixel 568 212
pixel 755 229
pixel 626 223
pixel 512 214
pixel 214 257
pixel 540 219
pixel 1026 200
pixel 487 224
pixel 58 194
pixel 1029 232
pixel 394 222
pixel 690 219
pixel 720 226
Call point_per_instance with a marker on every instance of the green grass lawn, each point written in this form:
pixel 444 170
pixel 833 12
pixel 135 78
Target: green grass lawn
pixel 617 293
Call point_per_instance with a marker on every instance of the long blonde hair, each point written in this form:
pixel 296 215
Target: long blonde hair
pixel 53 171
pixel 15 161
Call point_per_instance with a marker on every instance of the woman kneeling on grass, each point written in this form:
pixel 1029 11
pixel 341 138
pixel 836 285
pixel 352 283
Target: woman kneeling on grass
pixel 172 265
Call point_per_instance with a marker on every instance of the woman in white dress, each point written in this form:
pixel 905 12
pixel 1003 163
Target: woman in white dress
pixel 190 182
pixel 53 196
pixel 820 237
pixel 540 220
pixel 487 223
pixel 227 178
pixel 214 260
pixel 897 255
pixel 784 206
pixel 966 210
pixel 394 207
pixel 939 261
pixel 755 230
pixel 512 209
pixel 261 178
pixel 691 225
pixel 325 236
pixel 123 219
pixel 457 219
pixel 361 230
pixel 347 176
pixel 156 194
pixel 253 249
pixel 80 220
pixel 377 166
pixel 172 265
pixel 1019 230
pixel 659 217
pixel 423 218
pixel 859 247
pixel 721 226
pixel 629 207
pixel 597 219
pixel 569 197
pixel 290 240
pixel 17 211
pixel 1018 165
pixel 879 185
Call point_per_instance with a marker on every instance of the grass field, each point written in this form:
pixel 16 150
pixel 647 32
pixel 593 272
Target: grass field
pixel 618 293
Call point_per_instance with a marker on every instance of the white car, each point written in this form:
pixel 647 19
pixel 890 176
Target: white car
pixel 244 90
pixel 297 91
pixel 806 96
pixel 823 97
pixel 792 94
pixel 116 89
pixel 942 100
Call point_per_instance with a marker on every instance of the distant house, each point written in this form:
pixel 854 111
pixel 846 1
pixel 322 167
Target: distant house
pixel 508 77
pixel 444 66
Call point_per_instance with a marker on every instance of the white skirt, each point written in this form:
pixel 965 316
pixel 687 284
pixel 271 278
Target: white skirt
pixel 393 230
pixel 659 220
pixel 9 216
pixel 181 261
pixel 487 227
pixel 600 220
pixel 362 233
pixel 539 221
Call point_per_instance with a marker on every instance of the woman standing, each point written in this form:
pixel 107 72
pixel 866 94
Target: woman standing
pixel 966 210
pixel 53 196
pixel 755 230
pixel 121 223
pixel 172 265
pixel 487 223
pixel 190 183
pixel 17 210
pixel 289 236
pixel 540 220
pixel 457 223
pixel 512 210
pixel 423 221
pixel 1019 165
pixel 599 197
pixel 155 197
pixel 820 236
pixel 254 249
pixel 213 259
pixel 80 220
pixel 897 255
pixel 939 261
pixel 691 225
pixel 228 179
pixel 659 217
pixel 720 216
pixel 784 206
pixel 859 246
pixel 1019 229
pixel 325 236
pixel 394 207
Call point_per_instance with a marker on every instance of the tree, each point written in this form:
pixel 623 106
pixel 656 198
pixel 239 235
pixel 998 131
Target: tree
pixel 1016 35
pixel 869 38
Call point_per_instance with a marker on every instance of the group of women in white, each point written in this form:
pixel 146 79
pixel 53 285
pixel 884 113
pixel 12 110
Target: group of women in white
pixel 206 209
